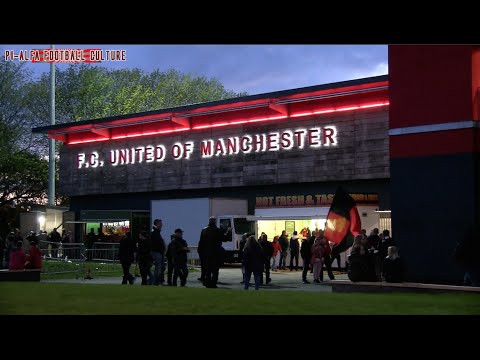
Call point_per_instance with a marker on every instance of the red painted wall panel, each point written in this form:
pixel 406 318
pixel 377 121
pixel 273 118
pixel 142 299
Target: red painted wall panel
pixel 430 84
pixel 435 143
pixel 476 82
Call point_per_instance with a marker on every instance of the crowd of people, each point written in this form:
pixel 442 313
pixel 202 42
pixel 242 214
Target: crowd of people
pixel 13 254
pixel 375 258
pixel 371 258
pixel 151 251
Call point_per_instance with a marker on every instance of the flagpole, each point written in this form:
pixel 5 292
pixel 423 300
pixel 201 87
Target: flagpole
pixel 51 147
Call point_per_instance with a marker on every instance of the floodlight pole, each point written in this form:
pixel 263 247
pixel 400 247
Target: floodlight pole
pixel 51 147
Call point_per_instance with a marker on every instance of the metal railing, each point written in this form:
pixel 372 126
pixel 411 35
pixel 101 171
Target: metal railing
pixel 102 258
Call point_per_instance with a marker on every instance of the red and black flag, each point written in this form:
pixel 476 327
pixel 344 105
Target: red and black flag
pixel 343 222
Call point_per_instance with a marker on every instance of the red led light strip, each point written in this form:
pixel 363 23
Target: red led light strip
pixel 237 122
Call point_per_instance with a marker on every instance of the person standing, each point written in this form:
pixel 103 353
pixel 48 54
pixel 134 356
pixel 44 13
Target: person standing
pixel 126 253
pixel 158 252
pixel 385 242
pixel 144 258
pixel 179 252
pixel 276 250
pixel 34 256
pixel 317 259
pixel 89 243
pixel 294 250
pixel 55 239
pixel 241 246
pixel 253 262
pixel 210 246
pixel 306 252
pixel 327 260
pixel 283 241
pixel 267 252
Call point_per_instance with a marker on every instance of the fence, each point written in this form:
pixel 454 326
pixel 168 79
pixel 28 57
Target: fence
pixel 61 258
pixel 102 258
pixel 74 258
pixel 192 257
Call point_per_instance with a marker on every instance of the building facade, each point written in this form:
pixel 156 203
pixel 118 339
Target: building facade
pixel 285 152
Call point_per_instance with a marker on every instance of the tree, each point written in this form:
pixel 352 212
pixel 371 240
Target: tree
pixel 85 92
pixel 24 176
pixel 82 92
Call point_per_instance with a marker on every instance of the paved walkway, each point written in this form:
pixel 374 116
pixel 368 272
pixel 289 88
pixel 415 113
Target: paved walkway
pixel 229 278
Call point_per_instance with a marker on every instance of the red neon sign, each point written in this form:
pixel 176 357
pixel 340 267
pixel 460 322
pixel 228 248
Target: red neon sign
pixel 238 122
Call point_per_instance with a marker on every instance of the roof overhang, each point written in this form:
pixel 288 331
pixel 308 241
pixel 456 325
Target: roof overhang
pixel 278 106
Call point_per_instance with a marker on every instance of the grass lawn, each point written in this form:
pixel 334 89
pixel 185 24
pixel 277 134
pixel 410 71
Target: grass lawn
pixel 52 298
pixel 72 270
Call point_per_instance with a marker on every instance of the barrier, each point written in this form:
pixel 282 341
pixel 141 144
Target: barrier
pixel 193 259
pixel 62 258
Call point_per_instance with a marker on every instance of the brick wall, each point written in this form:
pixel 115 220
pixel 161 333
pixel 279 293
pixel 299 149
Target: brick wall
pixel 362 152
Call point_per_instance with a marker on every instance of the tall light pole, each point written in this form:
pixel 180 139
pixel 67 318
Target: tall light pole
pixel 51 145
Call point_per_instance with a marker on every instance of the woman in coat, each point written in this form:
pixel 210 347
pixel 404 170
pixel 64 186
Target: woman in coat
pixel 252 261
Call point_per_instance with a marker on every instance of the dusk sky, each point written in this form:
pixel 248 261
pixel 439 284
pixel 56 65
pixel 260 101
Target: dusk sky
pixel 254 69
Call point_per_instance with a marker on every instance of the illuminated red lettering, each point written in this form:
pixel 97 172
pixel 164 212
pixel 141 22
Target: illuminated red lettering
pixel 258 142
pixel 220 147
pixel 299 136
pixel 272 142
pixel 314 137
pixel 286 140
pixel 246 144
pixel 206 148
pixel 232 145
pixel 329 133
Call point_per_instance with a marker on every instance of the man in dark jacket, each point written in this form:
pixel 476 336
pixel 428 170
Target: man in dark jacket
pixel 126 253
pixel 55 239
pixel 267 252
pixel 144 258
pixel 306 252
pixel 294 250
pixel 283 241
pixel 241 246
pixel 210 246
pixel 158 252
pixel 179 252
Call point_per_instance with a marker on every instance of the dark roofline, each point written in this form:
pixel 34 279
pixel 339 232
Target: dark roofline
pixel 274 94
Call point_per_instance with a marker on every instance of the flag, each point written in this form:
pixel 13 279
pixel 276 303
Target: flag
pixel 343 222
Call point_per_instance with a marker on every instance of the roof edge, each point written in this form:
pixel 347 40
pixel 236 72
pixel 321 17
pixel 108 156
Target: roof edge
pixel 281 93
